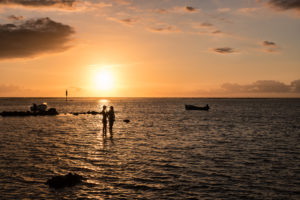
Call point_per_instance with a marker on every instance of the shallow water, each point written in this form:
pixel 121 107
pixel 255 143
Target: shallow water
pixel 240 149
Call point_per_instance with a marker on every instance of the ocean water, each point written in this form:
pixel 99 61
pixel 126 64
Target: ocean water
pixel 240 149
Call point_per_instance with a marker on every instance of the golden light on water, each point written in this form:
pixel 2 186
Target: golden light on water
pixel 103 101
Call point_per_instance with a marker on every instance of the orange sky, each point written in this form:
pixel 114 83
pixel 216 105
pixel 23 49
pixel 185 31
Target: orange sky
pixel 136 48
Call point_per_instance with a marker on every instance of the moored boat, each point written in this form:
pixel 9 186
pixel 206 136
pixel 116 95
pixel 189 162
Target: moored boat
pixel 192 107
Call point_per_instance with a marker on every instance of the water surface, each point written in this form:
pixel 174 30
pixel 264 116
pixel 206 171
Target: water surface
pixel 240 149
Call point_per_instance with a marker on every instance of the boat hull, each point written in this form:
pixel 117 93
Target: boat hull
pixel 192 107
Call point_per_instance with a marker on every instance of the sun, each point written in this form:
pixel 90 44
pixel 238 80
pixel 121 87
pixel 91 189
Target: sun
pixel 104 80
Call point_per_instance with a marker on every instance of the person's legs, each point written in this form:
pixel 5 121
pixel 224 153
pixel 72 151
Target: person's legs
pixel 111 124
pixel 104 127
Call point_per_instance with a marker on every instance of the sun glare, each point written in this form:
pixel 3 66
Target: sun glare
pixel 104 80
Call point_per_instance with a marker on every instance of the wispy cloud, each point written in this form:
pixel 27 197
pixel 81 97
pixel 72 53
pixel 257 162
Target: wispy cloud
pixel 224 10
pixel 15 17
pixel 33 37
pixel 191 9
pixel 249 11
pixel 125 21
pixel 206 28
pixel 263 86
pixel 164 29
pixel 285 4
pixel 260 88
pixel 122 2
pixel 224 50
pixel 270 47
pixel 15 90
pixel 160 11
pixel 203 25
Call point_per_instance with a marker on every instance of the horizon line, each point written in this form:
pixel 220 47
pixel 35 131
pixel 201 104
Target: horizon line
pixel 175 97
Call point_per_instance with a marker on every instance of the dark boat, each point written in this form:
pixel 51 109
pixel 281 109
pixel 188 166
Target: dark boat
pixel 192 107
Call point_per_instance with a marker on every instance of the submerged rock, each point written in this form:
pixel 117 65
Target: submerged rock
pixel 126 120
pixel 68 180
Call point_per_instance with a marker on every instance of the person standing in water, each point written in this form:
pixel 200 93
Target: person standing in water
pixel 104 119
pixel 111 118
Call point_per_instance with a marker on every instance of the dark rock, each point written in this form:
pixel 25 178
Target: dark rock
pixel 51 111
pixel 92 112
pixel 68 180
pixel 126 120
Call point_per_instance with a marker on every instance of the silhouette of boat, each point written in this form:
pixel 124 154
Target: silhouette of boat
pixel 192 107
pixel 39 108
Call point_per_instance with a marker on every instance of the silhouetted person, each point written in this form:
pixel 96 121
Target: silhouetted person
pixel 104 119
pixel 111 118
pixel 33 108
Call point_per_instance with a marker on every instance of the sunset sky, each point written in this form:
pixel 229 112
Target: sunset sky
pixel 150 48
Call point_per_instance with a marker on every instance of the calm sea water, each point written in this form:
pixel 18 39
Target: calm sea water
pixel 240 149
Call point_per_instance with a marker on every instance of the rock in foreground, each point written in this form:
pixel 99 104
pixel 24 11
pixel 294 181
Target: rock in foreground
pixel 68 180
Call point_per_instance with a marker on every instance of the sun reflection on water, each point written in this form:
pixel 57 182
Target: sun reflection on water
pixel 103 101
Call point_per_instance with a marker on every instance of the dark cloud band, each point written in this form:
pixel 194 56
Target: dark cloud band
pixel 285 4
pixel 40 3
pixel 33 37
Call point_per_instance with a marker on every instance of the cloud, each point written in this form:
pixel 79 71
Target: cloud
pixel 41 3
pixel 160 11
pixel 33 37
pixel 125 21
pixel 7 90
pixel 285 4
pixel 203 25
pixel 217 32
pixel 263 86
pixel 224 50
pixel 270 47
pixel 164 29
pixel 258 86
pixel 15 18
pixel 128 21
pixel 295 85
pixel 191 9
pixel 247 11
pixel 224 10
pixel 268 43
pixel 207 28
pixel 66 5
pixel 122 2
pixel 183 10
pixel 206 24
